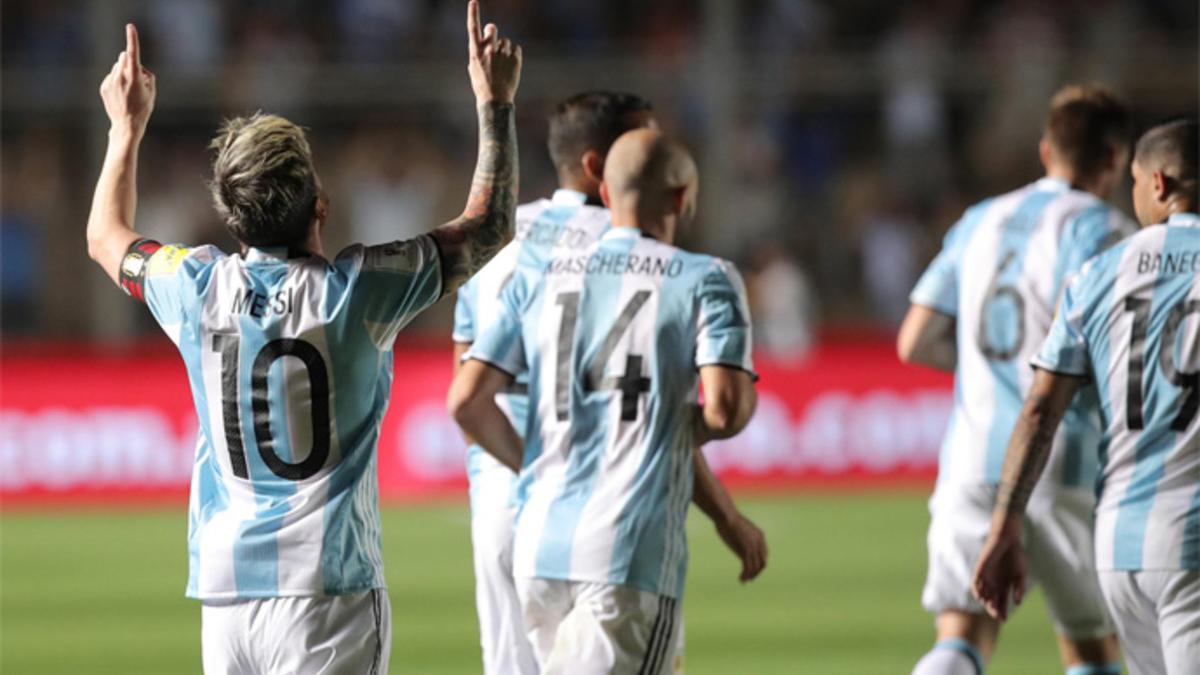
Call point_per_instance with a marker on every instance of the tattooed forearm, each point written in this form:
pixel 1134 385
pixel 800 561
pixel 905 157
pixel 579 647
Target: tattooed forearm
pixel 486 224
pixel 1028 450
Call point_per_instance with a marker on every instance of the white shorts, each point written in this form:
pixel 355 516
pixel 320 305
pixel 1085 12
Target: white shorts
pixel 1157 613
pixel 506 650
pixel 326 635
pixel 580 628
pixel 1058 543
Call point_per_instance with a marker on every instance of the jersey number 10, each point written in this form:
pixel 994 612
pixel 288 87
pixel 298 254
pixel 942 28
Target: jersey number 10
pixel 318 377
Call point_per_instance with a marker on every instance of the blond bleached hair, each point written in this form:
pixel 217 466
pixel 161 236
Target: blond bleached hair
pixel 264 186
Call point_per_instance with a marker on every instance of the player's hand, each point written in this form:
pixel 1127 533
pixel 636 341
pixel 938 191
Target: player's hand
pixel 747 542
pixel 495 62
pixel 128 89
pixel 1000 574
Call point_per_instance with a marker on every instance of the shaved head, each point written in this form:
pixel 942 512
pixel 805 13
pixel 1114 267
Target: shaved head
pixel 650 177
pixel 1165 169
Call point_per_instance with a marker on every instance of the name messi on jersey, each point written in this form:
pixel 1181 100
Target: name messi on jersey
pixel 617 263
pixel 258 305
pixel 1183 262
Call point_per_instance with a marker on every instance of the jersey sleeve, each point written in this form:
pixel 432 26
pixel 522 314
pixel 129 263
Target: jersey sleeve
pixel 164 277
pixel 724 336
pixel 396 282
pixel 464 311
pixel 937 288
pixel 1065 349
pixel 502 344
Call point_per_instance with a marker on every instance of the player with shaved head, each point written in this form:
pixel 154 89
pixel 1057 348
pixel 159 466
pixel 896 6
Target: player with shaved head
pixel 615 339
pixel 582 129
pixel 1129 328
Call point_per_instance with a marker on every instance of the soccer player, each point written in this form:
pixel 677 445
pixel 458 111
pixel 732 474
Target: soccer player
pixel 612 338
pixel 289 356
pixel 582 129
pixel 1129 327
pixel 980 310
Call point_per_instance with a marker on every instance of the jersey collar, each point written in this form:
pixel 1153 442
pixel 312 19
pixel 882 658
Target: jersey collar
pixel 1052 184
pixel 1184 219
pixel 565 197
pixel 622 233
pixel 273 253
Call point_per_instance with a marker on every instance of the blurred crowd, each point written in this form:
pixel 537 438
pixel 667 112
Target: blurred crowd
pixel 837 140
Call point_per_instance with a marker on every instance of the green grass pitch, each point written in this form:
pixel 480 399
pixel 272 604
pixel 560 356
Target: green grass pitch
pixel 101 591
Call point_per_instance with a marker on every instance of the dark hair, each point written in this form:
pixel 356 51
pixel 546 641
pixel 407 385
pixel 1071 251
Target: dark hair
pixel 264 186
pixel 1085 123
pixel 1172 148
pixel 592 120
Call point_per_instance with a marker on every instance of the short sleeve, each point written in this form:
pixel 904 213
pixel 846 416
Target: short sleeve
pixel 1065 349
pixel 937 288
pixel 502 344
pixel 464 311
pixel 395 283
pixel 724 336
pixel 164 277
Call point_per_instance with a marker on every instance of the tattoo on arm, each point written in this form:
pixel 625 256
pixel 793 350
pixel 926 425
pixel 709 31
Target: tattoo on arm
pixel 486 224
pixel 1028 452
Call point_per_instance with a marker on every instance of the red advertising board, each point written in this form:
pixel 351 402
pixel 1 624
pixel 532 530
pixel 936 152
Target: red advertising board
pixel 121 427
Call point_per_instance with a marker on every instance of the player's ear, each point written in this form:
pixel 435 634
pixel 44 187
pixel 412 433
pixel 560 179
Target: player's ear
pixel 604 195
pixel 1160 186
pixel 679 201
pixel 1045 152
pixel 593 165
pixel 321 208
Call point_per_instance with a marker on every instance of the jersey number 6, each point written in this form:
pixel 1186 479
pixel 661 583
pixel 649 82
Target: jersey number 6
pixel 318 377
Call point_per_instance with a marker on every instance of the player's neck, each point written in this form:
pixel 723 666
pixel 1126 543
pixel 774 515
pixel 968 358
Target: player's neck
pixel 657 228
pixel 588 188
pixel 1072 178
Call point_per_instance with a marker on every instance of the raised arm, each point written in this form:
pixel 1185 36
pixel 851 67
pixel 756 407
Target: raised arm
pixel 1000 573
pixel 486 224
pixel 128 94
pixel 927 338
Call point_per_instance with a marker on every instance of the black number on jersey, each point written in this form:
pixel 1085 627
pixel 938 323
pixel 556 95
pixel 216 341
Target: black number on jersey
pixel 318 378
pixel 1189 382
pixel 995 292
pixel 631 384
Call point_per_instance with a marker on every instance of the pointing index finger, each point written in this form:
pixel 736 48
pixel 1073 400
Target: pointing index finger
pixel 131 45
pixel 474 33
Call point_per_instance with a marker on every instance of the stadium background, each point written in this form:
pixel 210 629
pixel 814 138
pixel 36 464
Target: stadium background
pixel 836 141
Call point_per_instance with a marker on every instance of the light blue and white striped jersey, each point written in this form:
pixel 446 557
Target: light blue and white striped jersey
pixel 1000 274
pixel 290 365
pixel 612 338
pixel 1131 323
pixel 562 223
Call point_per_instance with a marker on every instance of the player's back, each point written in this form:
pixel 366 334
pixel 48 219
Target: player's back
pixel 290 365
pixel 1132 321
pixel 614 336
pixel 1007 261
pixel 543 227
